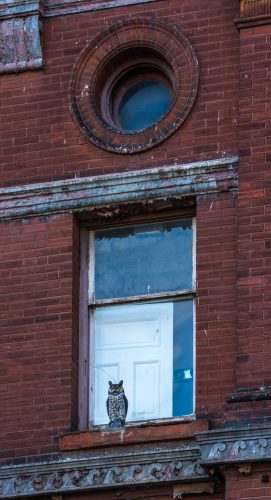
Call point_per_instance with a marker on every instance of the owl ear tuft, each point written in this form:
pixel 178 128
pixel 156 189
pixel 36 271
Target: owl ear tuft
pixel 110 383
pixel 121 382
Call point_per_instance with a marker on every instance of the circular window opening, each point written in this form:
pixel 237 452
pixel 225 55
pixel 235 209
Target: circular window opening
pixel 137 93
pixel 134 85
pixel 139 100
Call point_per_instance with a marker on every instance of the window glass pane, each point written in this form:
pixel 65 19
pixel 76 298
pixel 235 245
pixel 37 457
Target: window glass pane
pixel 183 358
pixel 143 104
pixel 149 347
pixel 143 259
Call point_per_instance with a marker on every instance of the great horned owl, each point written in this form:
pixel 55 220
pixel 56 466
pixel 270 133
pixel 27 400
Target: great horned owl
pixel 117 405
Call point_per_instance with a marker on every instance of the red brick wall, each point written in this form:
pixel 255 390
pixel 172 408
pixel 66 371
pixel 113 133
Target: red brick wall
pixel 216 304
pixel 151 493
pixel 254 218
pixel 39 327
pixel 39 286
pixel 37 330
pixel 40 141
pixel 249 487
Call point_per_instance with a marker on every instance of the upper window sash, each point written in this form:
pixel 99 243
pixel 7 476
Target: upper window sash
pixel 142 261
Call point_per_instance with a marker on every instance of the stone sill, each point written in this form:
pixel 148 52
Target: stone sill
pixel 251 21
pixel 132 434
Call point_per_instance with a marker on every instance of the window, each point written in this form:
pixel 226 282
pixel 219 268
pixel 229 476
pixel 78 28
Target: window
pixel 138 92
pixel 141 289
pixel 140 100
pixel 134 85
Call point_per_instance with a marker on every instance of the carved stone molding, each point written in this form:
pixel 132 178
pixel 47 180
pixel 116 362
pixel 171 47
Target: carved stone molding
pixel 187 464
pixel 159 464
pixel 58 8
pixel 20 36
pixel 177 181
pixel 228 446
pixel 52 8
pixel 254 12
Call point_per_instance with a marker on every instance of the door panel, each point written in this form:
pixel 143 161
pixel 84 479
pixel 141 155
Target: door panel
pixel 135 343
pixel 146 400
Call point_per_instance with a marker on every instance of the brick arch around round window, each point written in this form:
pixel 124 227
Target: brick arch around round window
pixel 134 47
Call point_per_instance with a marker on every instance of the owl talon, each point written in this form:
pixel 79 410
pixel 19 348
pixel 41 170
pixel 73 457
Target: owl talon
pixel 117 424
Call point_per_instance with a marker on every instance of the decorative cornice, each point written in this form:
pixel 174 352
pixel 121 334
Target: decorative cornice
pixel 144 185
pixel 20 28
pixel 178 462
pixel 51 8
pixel 57 8
pixel 155 464
pixel 19 8
pixel 228 446
pixel 254 13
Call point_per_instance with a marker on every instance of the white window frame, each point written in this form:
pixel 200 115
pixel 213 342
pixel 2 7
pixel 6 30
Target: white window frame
pixel 86 361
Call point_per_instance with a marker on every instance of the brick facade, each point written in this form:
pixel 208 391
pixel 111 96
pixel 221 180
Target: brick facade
pixel 39 139
pixel 223 452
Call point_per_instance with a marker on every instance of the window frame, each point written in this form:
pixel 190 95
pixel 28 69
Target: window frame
pixel 86 353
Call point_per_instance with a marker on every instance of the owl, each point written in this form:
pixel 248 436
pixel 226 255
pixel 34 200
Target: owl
pixel 117 405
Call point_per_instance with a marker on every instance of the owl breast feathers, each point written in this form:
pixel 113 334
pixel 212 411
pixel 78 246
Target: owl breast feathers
pixel 117 405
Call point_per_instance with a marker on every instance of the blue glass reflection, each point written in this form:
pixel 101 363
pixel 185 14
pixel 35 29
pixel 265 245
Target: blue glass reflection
pixel 183 358
pixel 143 104
pixel 143 259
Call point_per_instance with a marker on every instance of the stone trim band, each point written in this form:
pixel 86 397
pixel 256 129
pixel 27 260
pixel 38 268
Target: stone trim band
pixel 229 446
pixel 179 462
pixel 52 8
pixel 173 463
pixel 177 181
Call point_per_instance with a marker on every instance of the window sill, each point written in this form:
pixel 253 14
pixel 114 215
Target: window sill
pixel 132 434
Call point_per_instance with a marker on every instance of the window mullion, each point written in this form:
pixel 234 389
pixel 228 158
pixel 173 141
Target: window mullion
pixel 143 298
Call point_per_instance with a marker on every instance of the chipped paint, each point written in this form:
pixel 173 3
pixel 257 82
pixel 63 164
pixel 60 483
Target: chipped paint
pixel 236 445
pixel 178 181
pixel 14 8
pixel 51 8
pixel 20 47
pixel 175 462
pixel 20 30
pixel 58 8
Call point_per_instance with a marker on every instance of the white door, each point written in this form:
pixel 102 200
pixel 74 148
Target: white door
pixel 134 343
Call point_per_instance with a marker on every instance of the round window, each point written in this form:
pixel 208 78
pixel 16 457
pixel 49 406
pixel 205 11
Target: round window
pixel 134 86
pixel 138 93
pixel 143 104
pixel 140 100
